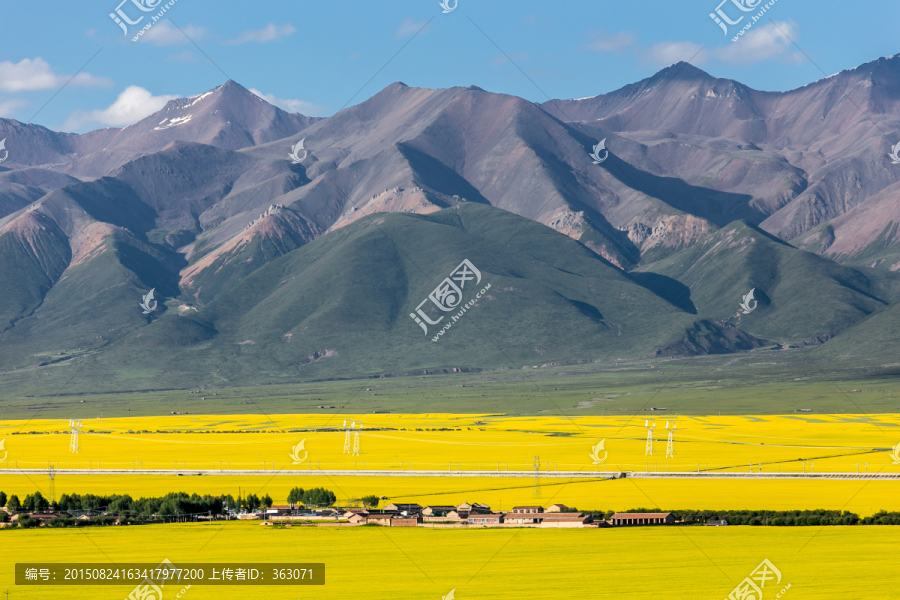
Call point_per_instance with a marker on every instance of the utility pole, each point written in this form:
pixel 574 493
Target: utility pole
pixel 670 446
pixel 356 440
pixel 537 479
pixel 650 425
pixel 52 475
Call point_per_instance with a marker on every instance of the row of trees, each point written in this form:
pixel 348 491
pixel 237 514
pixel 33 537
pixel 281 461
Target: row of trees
pixel 33 503
pixel 250 503
pixel 174 504
pixel 312 498
pixel 772 517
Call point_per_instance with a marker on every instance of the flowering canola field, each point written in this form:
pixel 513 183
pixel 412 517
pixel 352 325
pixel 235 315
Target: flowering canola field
pixel 819 443
pixel 472 443
pixel 387 563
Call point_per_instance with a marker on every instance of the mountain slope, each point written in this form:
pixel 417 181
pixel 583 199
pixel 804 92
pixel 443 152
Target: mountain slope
pixel 807 156
pixel 801 297
pixel 339 306
pixel 228 117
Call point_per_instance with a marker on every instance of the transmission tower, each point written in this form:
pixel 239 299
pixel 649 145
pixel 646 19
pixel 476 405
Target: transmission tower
pixel 670 447
pixel 648 449
pixel 347 437
pixel 537 477
pixel 356 440
pixel 75 426
pixel 52 474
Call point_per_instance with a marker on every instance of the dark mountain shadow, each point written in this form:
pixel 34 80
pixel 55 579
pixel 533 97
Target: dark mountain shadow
pixel 436 175
pixel 719 207
pixel 670 290
pixel 114 202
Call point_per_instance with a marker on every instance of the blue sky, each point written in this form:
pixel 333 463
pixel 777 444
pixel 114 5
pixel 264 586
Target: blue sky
pixel 316 57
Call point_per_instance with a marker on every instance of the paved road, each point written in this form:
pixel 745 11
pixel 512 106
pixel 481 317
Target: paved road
pixel 520 474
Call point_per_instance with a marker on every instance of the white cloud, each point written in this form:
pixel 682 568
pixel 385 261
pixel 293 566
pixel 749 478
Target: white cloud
pixel 269 33
pixel 409 27
pixel 10 107
pixel 664 54
pixel 166 34
pixel 767 42
pixel 294 106
pixel 37 74
pixel 617 42
pixel 132 105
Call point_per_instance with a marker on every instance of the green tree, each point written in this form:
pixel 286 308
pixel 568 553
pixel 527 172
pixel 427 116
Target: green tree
pixel 120 505
pixel 2 498
pixel 27 521
pixel 35 502
pixel 13 504
pixel 295 496
pixel 370 501
pixel 319 497
pixel 266 501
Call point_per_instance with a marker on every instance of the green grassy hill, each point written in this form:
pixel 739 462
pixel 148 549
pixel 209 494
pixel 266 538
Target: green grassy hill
pixel 339 307
pixel 802 297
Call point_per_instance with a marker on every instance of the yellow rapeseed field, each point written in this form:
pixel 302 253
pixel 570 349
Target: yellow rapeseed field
pixel 443 442
pixel 861 497
pixel 389 563
pixel 824 443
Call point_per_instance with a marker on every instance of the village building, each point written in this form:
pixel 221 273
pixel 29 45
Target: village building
pixel 465 506
pixel 558 508
pixel 486 518
pixel 566 519
pixel 42 517
pixel 409 508
pixel 527 509
pixel 624 519
pixel 455 516
pixel 279 509
pixel 522 515
pixel 437 511
pixel 380 519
